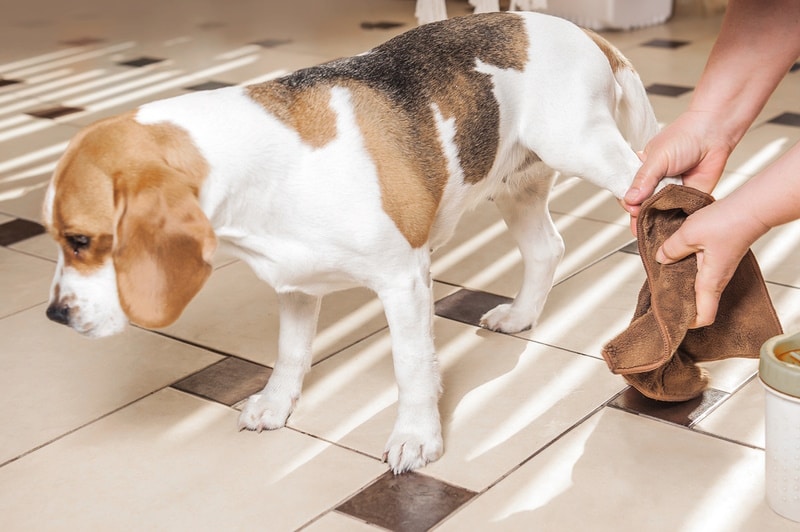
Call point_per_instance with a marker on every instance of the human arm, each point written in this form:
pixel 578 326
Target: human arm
pixel 758 42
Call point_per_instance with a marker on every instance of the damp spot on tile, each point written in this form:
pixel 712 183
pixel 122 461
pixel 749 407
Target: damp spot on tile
pixel 228 381
pixel 685 413
pixel 406 502
pixel 467 306
pixel 18 230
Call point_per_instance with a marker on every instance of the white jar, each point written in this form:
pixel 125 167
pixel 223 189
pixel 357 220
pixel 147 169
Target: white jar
pixel 779 371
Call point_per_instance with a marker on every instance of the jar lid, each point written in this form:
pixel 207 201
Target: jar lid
pixel 779 366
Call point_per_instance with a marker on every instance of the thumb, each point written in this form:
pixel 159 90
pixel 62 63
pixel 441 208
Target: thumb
pixel 674 249
pixel 646 180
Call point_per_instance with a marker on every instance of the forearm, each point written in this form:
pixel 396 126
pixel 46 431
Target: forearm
pixel 758 42
pixel 769 199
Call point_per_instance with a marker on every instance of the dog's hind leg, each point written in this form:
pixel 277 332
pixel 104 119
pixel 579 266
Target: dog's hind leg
pixel 270 408
pixel 417 437
pixel 528 219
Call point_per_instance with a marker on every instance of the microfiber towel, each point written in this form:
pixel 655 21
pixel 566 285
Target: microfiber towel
pixel 657 353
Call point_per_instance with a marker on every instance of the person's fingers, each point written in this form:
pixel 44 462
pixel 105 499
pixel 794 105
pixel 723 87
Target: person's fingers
pixel 708 287
pixel 674 249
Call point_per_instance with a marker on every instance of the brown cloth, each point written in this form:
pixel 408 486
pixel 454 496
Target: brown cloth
pixel 657 353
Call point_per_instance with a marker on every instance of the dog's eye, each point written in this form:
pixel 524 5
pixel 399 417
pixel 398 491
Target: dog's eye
pixel 78 242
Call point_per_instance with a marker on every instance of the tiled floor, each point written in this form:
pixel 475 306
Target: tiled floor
pixel 138 432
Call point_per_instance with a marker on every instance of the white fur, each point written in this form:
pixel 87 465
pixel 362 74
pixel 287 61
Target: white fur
pixel 93 298
pixel 310 221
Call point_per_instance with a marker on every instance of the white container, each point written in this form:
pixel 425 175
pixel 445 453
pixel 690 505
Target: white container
pixel 779 371
pixel 612 14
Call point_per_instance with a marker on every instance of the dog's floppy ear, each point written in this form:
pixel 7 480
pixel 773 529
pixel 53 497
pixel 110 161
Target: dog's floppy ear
pixel 163 245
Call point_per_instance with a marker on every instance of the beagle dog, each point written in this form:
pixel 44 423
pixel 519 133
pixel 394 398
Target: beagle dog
pixel 348 173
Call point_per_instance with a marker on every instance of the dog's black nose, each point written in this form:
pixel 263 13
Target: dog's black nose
pixel 59 313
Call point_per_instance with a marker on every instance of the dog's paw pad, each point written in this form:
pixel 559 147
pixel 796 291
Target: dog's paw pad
pixel 260 414
pixel 504 318
pixel 406 452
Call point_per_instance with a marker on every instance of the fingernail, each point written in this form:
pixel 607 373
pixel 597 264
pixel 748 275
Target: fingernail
pixel 660 257
pixel 632 194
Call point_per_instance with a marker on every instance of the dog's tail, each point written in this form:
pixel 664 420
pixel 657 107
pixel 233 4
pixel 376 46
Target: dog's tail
pixel 635 116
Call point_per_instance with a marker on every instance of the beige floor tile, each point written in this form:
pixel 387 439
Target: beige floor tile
pixel 587 310
pixel 174 462
pixel 777 254
pixel 25 281
pixel 41 246
pixel 741 417
pixel 32 149
pixel 55 381
pixel 336 522
pixel 496 409
pixel 729 375
pixel 238 314
pixel 577 197
pixel 618 472
pixel 483 255
pixel 787 305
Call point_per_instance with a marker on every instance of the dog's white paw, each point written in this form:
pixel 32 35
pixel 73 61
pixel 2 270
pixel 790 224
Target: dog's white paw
pixel 262 413
pixel 504 318
pixel 406 451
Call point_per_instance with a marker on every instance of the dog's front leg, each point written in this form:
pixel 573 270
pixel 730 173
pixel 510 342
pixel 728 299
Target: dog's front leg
pixel 417 436
pixel 270 408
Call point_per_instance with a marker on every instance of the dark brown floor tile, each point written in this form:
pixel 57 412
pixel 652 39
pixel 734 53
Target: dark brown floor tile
pixel 55 112
pixel 18 230
pixel 467 306
pixel 209 86
pixel 228 381
pixel 83 41
pixel 686 413
pixel 141 61
pixel 271 43
pixel 664 89
pixel 408 502
pixel 633 248
pixel 787 119
pixel 211 25
pixel 380 25
pixel 665 43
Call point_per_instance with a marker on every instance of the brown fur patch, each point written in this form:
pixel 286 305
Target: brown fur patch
pixel 407 197
pixel 614 56
pixel 132 189
pixel 307 112
pixel 394 88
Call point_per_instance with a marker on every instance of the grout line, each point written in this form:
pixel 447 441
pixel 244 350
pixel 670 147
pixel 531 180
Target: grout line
pixel 80 427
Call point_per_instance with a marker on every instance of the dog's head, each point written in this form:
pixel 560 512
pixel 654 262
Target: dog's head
pixel 134 244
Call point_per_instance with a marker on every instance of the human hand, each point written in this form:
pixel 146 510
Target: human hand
pixel 720 240
pixel 690 147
